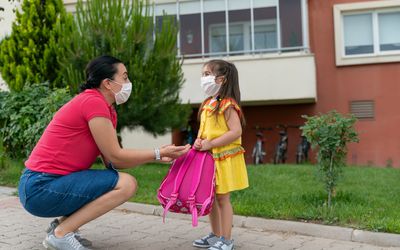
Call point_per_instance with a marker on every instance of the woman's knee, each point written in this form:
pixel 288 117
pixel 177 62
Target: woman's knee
pixel 127 184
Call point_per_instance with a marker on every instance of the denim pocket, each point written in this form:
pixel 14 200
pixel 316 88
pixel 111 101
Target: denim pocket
pixel 45 177
pixel 22 187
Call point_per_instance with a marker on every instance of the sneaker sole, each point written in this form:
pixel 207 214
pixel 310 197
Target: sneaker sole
pixel 48 246
pixel 201 246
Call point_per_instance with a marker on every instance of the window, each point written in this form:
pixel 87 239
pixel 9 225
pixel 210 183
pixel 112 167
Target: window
pixel 360 34
pixel 190 28
pixel 358 38
pixel 367 32
pixel 389 32
pixel 232 27
pixel 265 37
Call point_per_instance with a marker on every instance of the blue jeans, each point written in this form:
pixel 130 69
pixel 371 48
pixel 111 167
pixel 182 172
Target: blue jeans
pixel 52 195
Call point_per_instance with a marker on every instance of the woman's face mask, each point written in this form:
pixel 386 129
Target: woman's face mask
pixel 209 86
pixel 123 95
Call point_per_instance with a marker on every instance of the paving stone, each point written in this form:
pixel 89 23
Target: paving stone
pixel 122 229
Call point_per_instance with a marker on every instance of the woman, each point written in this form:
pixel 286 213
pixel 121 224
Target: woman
pixel 57 180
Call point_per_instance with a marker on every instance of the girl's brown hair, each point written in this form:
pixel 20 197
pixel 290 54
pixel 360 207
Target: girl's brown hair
pixel 230 85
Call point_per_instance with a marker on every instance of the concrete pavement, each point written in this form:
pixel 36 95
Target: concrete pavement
pixel 139 226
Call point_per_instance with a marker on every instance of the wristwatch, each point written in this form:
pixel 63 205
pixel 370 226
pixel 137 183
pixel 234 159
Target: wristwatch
pixel 157 154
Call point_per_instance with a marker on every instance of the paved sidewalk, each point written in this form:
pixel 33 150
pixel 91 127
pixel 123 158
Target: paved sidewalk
pixel 124 229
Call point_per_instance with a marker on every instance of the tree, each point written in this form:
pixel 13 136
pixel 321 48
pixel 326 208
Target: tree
pixel 124 29
pixel 330 133
pixel 25 56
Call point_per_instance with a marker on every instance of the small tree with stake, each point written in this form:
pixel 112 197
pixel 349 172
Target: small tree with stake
pixel 330 133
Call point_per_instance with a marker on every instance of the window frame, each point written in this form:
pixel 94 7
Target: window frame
pixel 246 32
pixel 375 8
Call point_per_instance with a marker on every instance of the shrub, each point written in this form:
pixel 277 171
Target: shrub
pixel 24 115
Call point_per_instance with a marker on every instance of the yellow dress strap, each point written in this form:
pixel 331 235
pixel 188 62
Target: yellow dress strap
pixel 229 102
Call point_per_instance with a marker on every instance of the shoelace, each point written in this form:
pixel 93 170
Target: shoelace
pixel 78 234
pixel 219 244
pixel 74 242
pixel 207 237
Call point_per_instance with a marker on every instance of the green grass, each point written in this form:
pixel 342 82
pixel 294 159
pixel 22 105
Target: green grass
pixel 366 198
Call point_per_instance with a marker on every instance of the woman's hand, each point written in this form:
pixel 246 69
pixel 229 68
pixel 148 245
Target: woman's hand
pixel 170 152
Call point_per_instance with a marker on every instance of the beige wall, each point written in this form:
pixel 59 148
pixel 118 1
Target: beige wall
pixel 140 139
pixel 264 79
pixel 7 17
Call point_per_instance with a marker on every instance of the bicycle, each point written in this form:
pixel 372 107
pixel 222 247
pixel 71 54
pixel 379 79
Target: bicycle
pixel 281 148
pixel 259 153
pixel 258 149
pixel 302 150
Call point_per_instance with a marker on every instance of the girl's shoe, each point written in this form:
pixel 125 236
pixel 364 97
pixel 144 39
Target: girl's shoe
pixel 206 241
pixel 222 244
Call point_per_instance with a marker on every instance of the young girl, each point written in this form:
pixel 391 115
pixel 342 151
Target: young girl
pixel 221 121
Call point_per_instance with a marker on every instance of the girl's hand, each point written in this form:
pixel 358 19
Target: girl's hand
pixel 197 144
pixel 206 145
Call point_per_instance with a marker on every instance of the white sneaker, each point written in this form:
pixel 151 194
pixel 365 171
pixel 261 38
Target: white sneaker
pixel 222 244
pixel 68 242
pixel 206 241
pixel 78 236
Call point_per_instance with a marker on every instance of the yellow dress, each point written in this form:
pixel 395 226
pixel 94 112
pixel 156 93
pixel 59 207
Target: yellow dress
pixel 231 172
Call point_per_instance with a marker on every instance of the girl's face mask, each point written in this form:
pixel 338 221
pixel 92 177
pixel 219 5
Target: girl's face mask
pixel 209 86
pixel 123 95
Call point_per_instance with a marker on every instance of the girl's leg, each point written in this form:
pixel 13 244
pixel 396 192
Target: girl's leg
pixel 226 215
pixel 215 219
pixel 123 191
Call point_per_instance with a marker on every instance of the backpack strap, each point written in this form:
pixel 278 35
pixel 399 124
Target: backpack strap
pixel 178 180
pixel 195 184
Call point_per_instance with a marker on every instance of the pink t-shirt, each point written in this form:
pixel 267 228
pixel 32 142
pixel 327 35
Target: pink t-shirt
pixel 67 144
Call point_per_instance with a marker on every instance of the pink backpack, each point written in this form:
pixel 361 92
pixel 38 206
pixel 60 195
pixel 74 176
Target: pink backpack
pixel 189 185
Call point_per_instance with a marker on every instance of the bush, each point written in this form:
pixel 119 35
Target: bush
pixel 24 116
pixel 331 133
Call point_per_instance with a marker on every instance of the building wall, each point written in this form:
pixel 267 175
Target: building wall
pixel 266 119
pixel 337 86
pixel 328 87
pixel 271 78
pixel 6 19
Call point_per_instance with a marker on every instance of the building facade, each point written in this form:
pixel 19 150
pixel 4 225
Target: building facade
pixel 299 57
pixel 294 57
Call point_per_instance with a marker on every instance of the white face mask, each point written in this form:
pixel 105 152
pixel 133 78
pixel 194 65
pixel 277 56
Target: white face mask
pixel 123 95
pixel 209 86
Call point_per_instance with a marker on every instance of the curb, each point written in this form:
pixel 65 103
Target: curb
pixel 302 228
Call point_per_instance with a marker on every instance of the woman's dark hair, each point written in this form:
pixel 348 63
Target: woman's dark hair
pixel 230 87
pixel 100 68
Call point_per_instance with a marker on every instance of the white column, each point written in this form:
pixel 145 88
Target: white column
pixel 304 22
